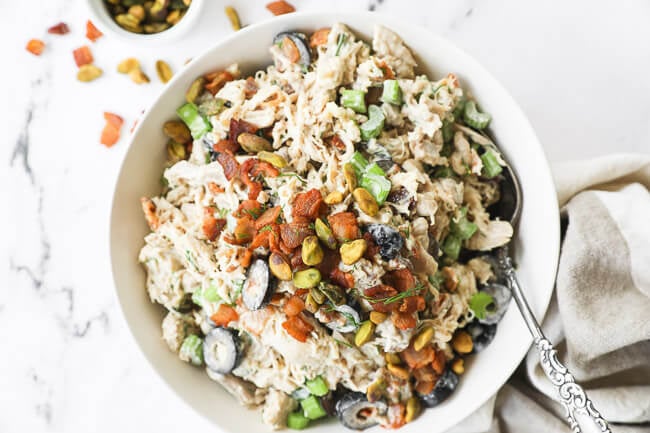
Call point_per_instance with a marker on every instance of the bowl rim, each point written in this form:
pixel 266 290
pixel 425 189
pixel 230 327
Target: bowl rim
pixel 388 21
pixel 106 24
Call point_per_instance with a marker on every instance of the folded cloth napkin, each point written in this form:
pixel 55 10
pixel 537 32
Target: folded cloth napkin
pixel 599 316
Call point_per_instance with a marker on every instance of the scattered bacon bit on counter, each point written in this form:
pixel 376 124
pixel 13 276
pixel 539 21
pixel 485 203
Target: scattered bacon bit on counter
pixel 224 315
pixel 111 131
pixel 298 327
pixel 59 29
pixel 319 37
pixel 92 33
pixel 35 46
pixel 83 56
pixel 280 7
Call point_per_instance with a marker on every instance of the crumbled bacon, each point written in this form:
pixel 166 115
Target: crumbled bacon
pixel 344 226
pixel 229 164
pixel 59 29
pixel 35 46
pixel 211 225
pixel 377 294
pixel 308 205
pixel 82 56
pixel 280 7
pixel 294 233
pixel 216 80
pixel 92 33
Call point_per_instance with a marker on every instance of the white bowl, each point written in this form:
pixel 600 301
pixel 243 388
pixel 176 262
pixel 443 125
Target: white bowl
pixel 107 25
pixel 537 240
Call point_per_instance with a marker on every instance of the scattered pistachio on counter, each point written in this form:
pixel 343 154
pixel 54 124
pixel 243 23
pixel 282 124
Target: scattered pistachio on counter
pixel 232 15
pixel 164 71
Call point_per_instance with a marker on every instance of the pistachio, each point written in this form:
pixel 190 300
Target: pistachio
pixel 187 3
pixel 128 65
pixel 232 15
pixel 312 253
pixel 376 317
pixel 164 71
pixel 364 333
pixel 334 197
pixel 366 201
pixel 350 176
pixel 195 89
pixel 88 73
pixel 158 11
pixel 458 366
pixel 413 409
pixel 325 234
pixel 423 338
pixel 138 77
pixel 177 131
pixel 138 12
pixel 332 292
pixel 174 17
pixel 175 151
pixel 307 278
pixel 317 295
pixel 253 143
pixel 352 251
pixel 272 158
pixel 462 342
pixel 280 267
pixel 310 304
pixel 156 27
pixel 398 371
pixel 393 358
pixel 129 22
pixel 376 390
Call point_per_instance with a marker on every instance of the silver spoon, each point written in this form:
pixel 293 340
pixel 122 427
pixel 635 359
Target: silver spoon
pixel 580 411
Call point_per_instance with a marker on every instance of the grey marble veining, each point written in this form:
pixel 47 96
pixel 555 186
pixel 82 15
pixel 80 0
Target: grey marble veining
pixel 579 70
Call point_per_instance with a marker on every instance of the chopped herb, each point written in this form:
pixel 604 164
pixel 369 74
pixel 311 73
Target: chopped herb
pixel 395 298
pixel 480 303
pixel 349 317
pixel 339 43
pixel 190 259
pixel 437 280
pixel 224 212
pixel 239 285
pixel 296 175
pixel 345 343
pixel 266 228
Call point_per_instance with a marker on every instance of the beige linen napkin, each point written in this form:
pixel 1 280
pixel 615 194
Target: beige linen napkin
pixel 599 317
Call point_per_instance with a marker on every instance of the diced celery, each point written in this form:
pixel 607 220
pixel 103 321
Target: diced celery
pixel 354 99
pixel 491 166
pixel 312 407
pixel 475 118
pixel 374 125
pixel 195 121
pixel 297 421
pixel 192 349
pixel 451 246
pixel 392 94
pixel 317 386
pixel 376 182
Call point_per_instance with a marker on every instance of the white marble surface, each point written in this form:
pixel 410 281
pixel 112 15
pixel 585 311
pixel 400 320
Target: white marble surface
pixel 579 69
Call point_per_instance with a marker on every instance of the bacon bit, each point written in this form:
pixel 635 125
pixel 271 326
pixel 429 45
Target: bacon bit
pixel 451 279
pixel 254 187
pixel 424 387
pixel 216 80
pixel 111 131
pixel 250 87
pixel 239 126
pixel 92 33
pixel 212 226
pixel 418 359
pixel 438 363
pixel 294 306
pixel 253 208
pixel 296 260
pixel 267 239
pixel 263 167
pixel 396 415
pixel 378 292
pixel 284 249
pixel 308 205
pixel 298 327
pixel 224 315
pixel 403 321
pixel 149 210
pixel 319 37
pixel 331 260
pixel 290 50
pixel 411 305
pixel 344 226
pixel 59 29
pixel 386 70
pixel 229 164
pixel 226 145
pixel 280 7
pixel 400 279
pixel 244 231
pixel 373 249
pixel 301 292
pixel 245 258
pixel 82 56
pixel 338 143
pixel 35 46
pixel 424 374
pixel 276 299
pixel 269 216
pixel 214 188
pixel 294 233
pixel 343 279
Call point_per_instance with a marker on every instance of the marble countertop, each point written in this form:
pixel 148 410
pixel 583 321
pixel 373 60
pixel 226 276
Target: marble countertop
pixel 579 70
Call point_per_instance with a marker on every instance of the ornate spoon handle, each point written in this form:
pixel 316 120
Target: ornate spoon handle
pixel 580 411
